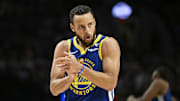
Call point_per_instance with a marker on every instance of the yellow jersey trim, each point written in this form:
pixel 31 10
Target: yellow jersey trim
pixel 100 46
pixel 82 51
pixel 69 45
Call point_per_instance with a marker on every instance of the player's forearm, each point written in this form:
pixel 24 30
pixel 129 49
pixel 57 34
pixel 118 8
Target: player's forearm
pixel 60 85
pixel 103 80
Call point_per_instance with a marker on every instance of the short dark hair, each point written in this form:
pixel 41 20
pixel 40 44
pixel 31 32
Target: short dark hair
pixel 80 10
pixel 163 72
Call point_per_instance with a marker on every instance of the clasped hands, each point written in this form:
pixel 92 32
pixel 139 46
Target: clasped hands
pixel 69 64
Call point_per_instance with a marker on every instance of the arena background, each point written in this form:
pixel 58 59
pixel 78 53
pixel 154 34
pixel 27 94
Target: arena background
pixel 30 30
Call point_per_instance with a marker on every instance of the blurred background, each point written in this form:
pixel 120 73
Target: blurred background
pixel 148 32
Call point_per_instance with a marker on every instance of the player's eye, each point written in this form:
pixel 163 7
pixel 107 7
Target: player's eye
pixel 81 27
pixel 90 24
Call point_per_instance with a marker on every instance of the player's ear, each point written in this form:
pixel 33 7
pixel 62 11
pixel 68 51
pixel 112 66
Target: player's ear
pixel 72 27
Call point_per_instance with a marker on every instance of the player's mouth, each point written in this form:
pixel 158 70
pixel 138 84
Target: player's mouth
pixel 88 37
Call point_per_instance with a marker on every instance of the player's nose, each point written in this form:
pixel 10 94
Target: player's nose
pixel 87 29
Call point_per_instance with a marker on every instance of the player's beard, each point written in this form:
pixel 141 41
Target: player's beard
pixel 85 43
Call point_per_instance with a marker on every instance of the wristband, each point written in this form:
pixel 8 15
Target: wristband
pixel 82 69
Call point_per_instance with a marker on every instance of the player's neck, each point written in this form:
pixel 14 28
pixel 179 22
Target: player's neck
pixel 81 44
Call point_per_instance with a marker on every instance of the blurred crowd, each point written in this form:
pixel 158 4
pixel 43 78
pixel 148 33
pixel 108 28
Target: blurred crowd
pixel 30 30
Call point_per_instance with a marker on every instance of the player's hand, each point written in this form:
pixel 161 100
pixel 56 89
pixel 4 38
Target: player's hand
pixel 131 98
pixel 62 63
pixel 69 64
pixel 74 65
pixel 72 76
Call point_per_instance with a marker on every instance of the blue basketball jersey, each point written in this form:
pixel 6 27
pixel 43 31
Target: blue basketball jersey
pixel 166 97
pixel 81 89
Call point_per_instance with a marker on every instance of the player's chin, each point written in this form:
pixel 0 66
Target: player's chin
pixel 89 42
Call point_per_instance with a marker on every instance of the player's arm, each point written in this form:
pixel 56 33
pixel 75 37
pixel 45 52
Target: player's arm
pixel 58 82
pixel 111 66
pixel 155 88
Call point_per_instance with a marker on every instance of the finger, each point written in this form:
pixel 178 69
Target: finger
pixel 62 60
pixel 60 65
pixel 69 55
pixel 66 53
pixel 67 63
pixel 64 69
pixel 73 59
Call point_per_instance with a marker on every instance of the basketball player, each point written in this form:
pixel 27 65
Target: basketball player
pixel 159 89
pixel 86 66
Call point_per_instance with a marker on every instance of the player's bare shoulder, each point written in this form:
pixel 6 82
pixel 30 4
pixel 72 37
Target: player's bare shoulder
pixel 61 47
pixel 62 44
pixel 110 41
pixel 161 84
pixel 110 45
